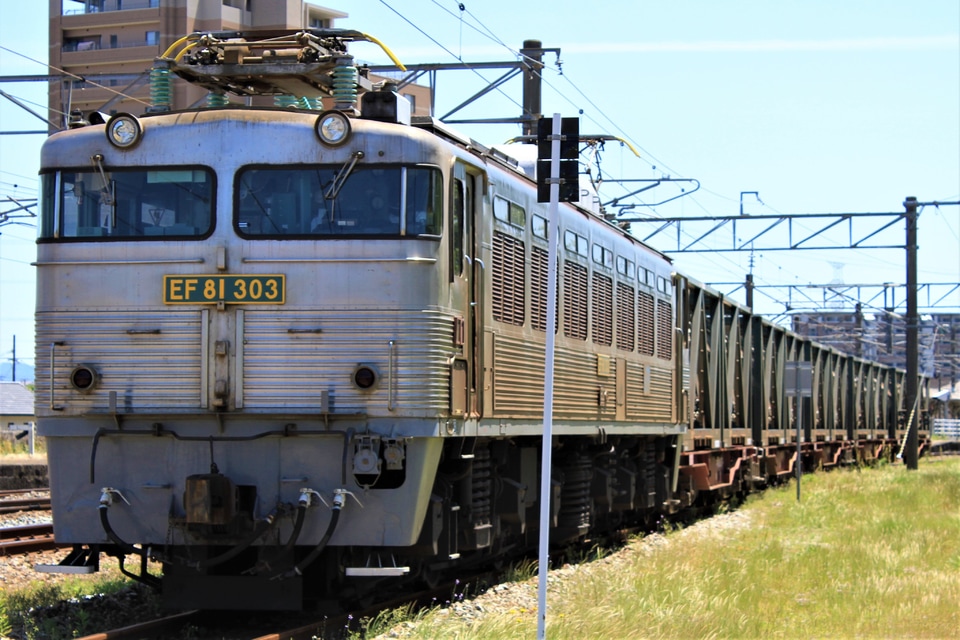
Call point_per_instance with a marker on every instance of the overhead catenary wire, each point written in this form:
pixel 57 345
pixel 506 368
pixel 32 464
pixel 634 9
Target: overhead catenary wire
pixel 488 33
pixel 451 53
pixel 42 106
pixel 75 76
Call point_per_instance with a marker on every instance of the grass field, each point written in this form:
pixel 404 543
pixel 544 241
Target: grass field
pixel 866 554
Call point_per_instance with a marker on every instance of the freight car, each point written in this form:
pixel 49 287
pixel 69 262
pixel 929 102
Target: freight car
pixel 293 352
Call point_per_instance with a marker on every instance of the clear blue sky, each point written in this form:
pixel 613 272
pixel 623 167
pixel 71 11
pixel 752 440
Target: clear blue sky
pixel 818 105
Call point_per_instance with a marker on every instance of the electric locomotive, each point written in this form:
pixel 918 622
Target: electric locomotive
pixel 293 352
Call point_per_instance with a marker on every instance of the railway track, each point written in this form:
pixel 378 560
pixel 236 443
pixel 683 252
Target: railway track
pixel 25 504
pixel 16 500
pixel 267 626
pixel 26 539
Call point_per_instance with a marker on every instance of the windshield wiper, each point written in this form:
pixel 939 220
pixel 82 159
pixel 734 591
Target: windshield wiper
pixel 342 175
pixel 107 189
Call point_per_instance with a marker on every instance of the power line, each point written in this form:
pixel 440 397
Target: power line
pixel 73 75
pixel 452 54
pixel 489 34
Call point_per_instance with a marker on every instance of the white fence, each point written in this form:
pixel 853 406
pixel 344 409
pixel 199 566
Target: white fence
pixel 944 427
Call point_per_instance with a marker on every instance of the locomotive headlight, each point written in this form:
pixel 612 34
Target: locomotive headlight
pixel 124 131
pixel 84 378
pixel 333 128
pixel 365 377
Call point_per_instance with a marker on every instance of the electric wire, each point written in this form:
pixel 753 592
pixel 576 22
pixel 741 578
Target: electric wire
pixel 42 106
pixel 488 33
pixel 451 53
pixel 73 75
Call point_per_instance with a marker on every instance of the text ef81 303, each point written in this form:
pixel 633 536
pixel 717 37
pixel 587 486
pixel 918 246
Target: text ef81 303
pixel 229 289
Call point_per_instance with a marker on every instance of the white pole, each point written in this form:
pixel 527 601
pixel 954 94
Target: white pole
pixel 553 233
pixel 33 437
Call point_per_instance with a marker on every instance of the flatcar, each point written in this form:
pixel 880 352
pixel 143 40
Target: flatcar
pixel 293 352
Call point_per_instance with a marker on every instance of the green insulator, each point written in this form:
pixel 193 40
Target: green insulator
pixel 215 100
pixel 160 89
pixel 344 86
pixel 313 104
pixel 284 101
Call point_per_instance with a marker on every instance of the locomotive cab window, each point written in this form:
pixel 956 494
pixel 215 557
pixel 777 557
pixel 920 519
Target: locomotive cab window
pixel 104 203
pixel 339 200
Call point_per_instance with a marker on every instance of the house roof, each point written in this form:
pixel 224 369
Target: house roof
pixel 946 394
pixel 15 399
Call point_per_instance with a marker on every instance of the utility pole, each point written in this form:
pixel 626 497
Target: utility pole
pixel 912 453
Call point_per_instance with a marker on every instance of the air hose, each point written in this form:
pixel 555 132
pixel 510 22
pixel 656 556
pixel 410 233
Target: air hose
pixel 261 528
pixel 338 501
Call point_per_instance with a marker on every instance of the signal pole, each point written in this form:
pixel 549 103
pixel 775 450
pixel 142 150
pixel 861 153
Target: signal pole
pixel 558 143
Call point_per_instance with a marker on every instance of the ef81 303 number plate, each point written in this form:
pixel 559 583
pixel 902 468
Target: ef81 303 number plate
pixel 229 289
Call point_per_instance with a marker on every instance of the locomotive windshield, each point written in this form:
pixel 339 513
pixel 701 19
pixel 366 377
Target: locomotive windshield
pixel 102 203
pixel 339 200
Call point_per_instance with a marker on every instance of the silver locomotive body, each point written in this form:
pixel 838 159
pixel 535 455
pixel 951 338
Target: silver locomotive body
pixel 242 331
pixel 308 364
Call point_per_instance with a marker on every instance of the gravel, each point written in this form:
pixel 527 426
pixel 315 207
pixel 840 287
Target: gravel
pixel 16 571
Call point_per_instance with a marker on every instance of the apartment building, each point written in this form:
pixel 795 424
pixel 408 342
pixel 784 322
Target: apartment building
pixel 105 48
pixel 882 337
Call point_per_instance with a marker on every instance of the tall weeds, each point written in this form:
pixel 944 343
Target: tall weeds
pixel 871 554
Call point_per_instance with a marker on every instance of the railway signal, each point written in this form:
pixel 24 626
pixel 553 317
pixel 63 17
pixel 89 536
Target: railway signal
pixel 568 159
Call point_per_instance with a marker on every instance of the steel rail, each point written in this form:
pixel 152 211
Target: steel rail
pixel 157 628
pixel 26 538
pixel 25 504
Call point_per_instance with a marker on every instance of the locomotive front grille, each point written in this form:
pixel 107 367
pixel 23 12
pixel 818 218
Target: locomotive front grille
pixel 149 359
pixel 305 359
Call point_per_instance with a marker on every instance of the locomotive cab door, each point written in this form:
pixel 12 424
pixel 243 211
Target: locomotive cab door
pixel 467 289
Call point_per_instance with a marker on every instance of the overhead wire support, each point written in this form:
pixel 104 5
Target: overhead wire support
pixel 873 296
pixel 23 106
pixel 513 69
pixel 651 184
pixel 769 222
pixel 22 210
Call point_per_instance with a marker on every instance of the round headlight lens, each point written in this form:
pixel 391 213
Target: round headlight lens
pixel 333 128
pixel 124 130
pixel 364 377
pixel 83 378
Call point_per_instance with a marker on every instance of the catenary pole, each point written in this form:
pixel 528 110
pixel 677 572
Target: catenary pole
pixel 911 454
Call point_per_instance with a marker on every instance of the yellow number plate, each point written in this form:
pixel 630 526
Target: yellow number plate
pixel 270 289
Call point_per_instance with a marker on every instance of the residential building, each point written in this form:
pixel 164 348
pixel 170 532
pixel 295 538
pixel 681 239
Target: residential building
pixel 16 406
pixel 882 337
